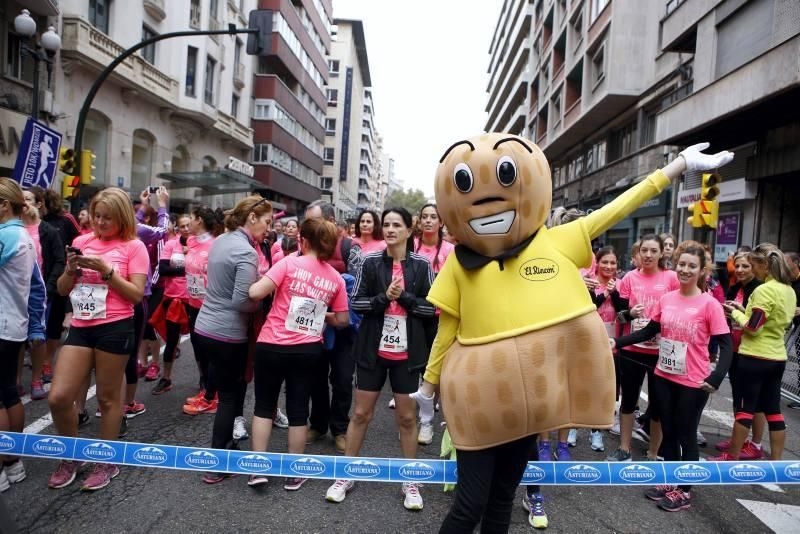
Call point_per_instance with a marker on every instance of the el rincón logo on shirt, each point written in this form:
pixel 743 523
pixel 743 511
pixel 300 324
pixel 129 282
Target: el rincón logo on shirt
pixel 539 269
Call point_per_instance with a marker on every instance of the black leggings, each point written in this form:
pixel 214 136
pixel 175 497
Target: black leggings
pixel 152 305
pixel 200 356
pixel 487 483
pixel 139 314
pixel 227 365
pixel 295 365
pixel 760 391
pixel 9 360
pixel 173 334
pixel 633 367
pixel 680 408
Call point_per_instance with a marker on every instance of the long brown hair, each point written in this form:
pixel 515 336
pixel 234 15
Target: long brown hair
pixel 440 234
pixel 693 248
pixel 777 266
pixel 253 204
pixel 321 237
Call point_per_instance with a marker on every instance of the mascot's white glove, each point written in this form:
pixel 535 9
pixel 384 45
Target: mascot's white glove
pixel 425 406
pixel 697 161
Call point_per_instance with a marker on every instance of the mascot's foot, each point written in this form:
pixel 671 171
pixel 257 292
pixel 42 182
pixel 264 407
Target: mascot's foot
pixel 534 505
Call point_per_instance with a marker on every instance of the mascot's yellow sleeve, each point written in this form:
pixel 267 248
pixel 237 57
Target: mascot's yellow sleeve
pixel 448 326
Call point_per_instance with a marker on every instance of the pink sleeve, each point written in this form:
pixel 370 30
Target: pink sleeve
pixel 624 287
pixel 278 272
pixel 655 312
pixel 340 303
pixel 167 249
pixel 276 246
pixel 674 283
pixel 138 259
pixel 717 324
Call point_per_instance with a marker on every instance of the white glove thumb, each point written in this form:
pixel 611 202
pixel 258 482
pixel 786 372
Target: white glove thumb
pixel 697 161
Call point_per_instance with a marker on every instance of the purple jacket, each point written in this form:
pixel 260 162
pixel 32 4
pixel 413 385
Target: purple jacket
pixel 153 238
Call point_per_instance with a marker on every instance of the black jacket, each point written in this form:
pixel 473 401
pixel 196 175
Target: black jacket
pixel 53 256
pixel 371 302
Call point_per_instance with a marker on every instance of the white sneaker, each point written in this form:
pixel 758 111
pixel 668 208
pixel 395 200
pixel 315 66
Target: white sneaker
pixel 425 436
pixel 615 427
pixel 281 421
pixel 701 440
pixel 391 403
pixel 240 429
pixel 572 437
pixel 413 500
pixel 597 441
pixel 4 483
pixel 15 472
pixel 339 490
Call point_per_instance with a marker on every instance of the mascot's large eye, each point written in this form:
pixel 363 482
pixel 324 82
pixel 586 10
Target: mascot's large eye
pixel 462 177
pixel 506 171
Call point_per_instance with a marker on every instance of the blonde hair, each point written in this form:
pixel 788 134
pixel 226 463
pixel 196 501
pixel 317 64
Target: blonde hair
pixel 238 215
pixel 119 203
pixel 11 191
pixel 771 256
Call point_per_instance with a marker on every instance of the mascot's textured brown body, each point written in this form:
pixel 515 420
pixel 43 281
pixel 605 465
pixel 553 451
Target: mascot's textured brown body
pixel 521 349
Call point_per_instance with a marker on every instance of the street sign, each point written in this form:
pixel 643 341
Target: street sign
pixel 37 159
pixel 727 236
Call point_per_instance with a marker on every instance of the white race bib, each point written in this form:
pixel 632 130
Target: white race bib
pixel 196 285
pixel 394 337
pixel 639 323
pixel 89 301
pixel 177 259
pixel 306 316
pixel 672 356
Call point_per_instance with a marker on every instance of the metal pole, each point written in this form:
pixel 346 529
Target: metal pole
pixel 35 101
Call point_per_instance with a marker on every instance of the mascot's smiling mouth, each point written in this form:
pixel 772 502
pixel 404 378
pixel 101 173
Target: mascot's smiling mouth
pixel 498 223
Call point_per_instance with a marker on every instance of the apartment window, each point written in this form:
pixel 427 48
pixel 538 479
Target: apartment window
pixel 234 106
pixel 556 111
pixel 191 71
pixel 333 67
pixel 149 51
pixel 328 155
pixel 194 14
pixel 649 126
pixel 576 27
pixel 598 65
pixel 98 14
pixel 212 8
pixel 622 142
pixel 325 183
pixel 595 8
pixel 17 65
pixel 330 126
pixel 333 96
pixel 208 93
pixel 260 153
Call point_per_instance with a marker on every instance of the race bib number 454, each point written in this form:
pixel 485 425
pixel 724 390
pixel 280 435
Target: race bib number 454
pixel 394 337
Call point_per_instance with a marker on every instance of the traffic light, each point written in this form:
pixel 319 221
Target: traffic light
pixel 704 214
pixel 709 189
pixel 67 162
pixel 87 161
pixel 70 186
pixel 696 220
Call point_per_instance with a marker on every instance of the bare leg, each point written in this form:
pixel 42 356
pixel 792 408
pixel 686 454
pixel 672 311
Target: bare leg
pixel 740 433
pixel 261 431
pixel 109 372
pixel 625 431
pixel 759 424
pixel 776 441
pixel 72 369
pixel 297 439
pixel 405 414
pixel 655 438
pixel 362 414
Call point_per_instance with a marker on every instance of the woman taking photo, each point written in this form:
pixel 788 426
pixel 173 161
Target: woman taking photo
pixel 290 342
pixel 104 278
pixel 390 294
pixel 368 233
pixel 222 325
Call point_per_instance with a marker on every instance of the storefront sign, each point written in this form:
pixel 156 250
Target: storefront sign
pixel 731 191
pixel 12 125
pixel 37 158
pixel 655 206
pixel 727 236
pixel 240 167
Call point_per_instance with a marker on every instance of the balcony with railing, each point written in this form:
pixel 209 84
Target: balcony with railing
pixel 234 130
pixel 155 8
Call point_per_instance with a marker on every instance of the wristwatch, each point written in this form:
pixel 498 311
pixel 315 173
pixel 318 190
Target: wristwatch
pixel 106 277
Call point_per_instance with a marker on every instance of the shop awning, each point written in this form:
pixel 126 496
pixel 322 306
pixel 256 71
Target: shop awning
pixel 219 182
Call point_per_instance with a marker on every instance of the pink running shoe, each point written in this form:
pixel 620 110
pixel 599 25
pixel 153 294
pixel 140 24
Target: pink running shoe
pixel 100 477
pixel 723 445
pixel 152 372
pixel 750 452
pixel 64 475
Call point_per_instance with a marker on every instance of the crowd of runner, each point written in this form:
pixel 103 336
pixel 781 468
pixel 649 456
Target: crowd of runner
pixel 327 311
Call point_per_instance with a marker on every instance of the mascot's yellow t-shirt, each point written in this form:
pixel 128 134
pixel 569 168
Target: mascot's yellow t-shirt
pixel 538 288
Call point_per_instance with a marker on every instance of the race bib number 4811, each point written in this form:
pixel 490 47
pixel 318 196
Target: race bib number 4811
pixel 306 316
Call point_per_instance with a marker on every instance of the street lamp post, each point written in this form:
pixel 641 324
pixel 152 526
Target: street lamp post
pixel 43 51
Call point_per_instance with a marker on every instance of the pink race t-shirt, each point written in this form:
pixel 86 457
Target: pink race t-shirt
pixel 607 312
pixel 197 268
pixel 306 288
pixel 376 245
pixel 33 231
pixel 277 256
pixel 430 252
pixel 394 309
pixel 174 286
pixel 92 293
pixel 687 324
pixel 640 288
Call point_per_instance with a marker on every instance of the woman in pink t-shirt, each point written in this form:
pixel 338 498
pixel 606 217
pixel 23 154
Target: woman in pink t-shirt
pixel 369 235
pixel 290 342
pixel 687 320
pixel 84 221
pixel 641 289
pixel 105 277
pixel 290 229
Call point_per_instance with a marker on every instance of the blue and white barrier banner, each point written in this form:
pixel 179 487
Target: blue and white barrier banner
pixel 390 469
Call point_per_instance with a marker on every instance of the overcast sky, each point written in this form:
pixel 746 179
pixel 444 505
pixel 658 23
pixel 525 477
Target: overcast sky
pixel 428 62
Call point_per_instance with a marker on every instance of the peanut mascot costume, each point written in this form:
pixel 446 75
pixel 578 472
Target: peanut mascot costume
pixel 520 348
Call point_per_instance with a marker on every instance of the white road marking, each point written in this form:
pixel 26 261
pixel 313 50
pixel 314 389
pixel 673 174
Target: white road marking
pixel 780 518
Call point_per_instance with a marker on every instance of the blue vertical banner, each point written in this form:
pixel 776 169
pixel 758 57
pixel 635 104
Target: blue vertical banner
pixel 348 104
pixel 37 158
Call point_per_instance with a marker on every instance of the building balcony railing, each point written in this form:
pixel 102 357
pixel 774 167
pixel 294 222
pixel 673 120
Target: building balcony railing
pixel 83 44
pixel 572 113
pixel 238 75
pixel 233 129
pixel 155 8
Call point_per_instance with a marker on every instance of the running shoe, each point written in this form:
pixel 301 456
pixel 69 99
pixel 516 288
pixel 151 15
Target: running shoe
pixel 195 398
pixel 391 403
pixel 257 480
pixel 314 435
pixel 701 439
pixel 413 500
pixel 47 372
pixel 141 370
pixel 545 452
pixel 659 492
pixel 641 434
pixel 294 484
pixel 339 490
pixel 619 456
pixel 15 472
pixel 794 405
pixel 723 445
pixel 615 427
pixel 4 483
pixel 64 475
pixel 215 478
pixel 572 437
pixel 123 428
pixel 562 452
pixel 724 457
pixel 597 441
pixel 240 429
pixel 341 442
pixel 133 409
pixel 750 452
pixel 656 458
pixel 163 385
pixel 280 420
pixel 100 477
pixel 534 505
pixel 437 406
pixel 152 372
pixel 98 413
pixel 83 418
pixel 425 436
pixel 201 406
pixel 675 501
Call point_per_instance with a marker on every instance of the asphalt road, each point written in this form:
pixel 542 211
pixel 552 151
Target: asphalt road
pixel 153 500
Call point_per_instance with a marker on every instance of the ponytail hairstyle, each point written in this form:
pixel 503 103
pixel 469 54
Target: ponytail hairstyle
pixel 321 237
pixel 662 262
pixel 237 217
pixel 289 245
pixel 11 191
pixel 213 220
pixel 440 234
pixel 407 220
pixel 777 266
pixel 694 248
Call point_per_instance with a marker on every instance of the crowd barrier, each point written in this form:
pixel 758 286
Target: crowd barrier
pixel 390 469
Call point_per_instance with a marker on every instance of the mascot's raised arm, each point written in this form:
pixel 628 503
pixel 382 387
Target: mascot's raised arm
pixel 520 349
